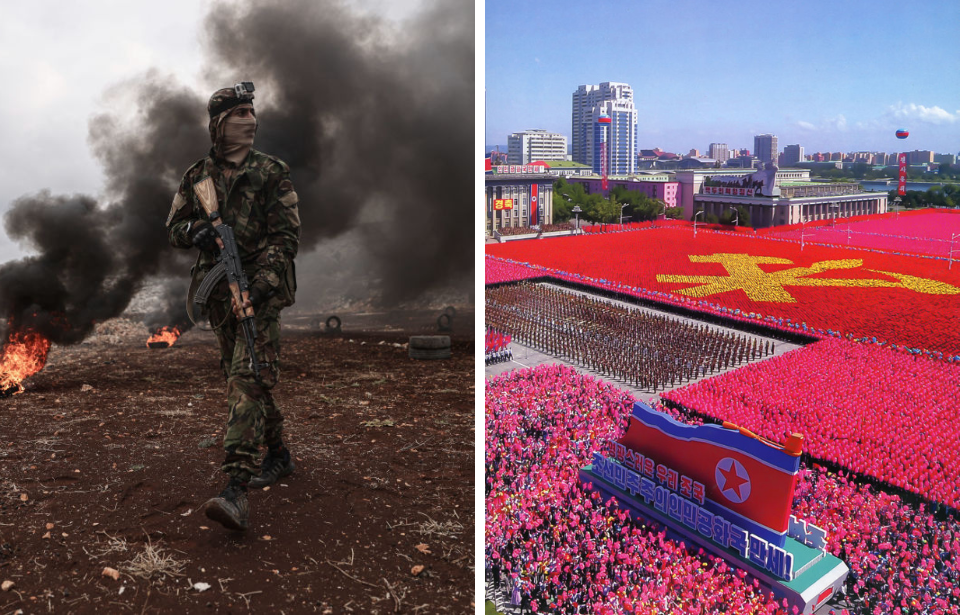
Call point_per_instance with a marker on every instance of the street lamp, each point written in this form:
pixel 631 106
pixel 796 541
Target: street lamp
pixel 621 214
pixel 736 217
pixel 577 211
pixel 952 239
pixel 896 208
pixel 695 222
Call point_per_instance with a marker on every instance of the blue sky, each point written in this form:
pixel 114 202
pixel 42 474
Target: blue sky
pixel 831 76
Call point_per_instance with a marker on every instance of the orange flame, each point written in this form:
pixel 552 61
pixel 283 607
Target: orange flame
pixel 166 335
pixel 24 354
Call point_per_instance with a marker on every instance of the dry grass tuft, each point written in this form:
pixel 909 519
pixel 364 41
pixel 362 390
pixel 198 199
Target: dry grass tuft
pixel 153 563
pixel 113 545
pixel 445 529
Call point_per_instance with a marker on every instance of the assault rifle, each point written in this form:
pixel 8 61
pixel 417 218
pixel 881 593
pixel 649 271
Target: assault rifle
pixel 230 258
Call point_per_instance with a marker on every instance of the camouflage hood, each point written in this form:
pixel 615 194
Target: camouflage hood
pixel 221 104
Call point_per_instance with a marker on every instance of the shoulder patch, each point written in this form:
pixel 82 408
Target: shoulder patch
pixel 289 199
pixel 178 203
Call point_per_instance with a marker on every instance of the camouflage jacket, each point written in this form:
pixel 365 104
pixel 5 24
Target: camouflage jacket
pixel 261 206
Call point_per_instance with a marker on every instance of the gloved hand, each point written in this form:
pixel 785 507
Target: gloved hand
pixel 259 293
pixel 203 236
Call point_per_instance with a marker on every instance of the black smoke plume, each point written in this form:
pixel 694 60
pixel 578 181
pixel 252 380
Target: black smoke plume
pixel 374 117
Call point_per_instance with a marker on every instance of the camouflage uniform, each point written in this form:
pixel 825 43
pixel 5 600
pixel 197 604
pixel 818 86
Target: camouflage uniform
pixel 257 199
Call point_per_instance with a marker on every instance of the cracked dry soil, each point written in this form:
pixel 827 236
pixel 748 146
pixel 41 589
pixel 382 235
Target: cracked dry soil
pixel 378 517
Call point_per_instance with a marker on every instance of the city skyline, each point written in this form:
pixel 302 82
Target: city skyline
pixel 835 77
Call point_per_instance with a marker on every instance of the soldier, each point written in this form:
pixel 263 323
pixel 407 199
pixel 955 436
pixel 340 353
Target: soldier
pixel 257 199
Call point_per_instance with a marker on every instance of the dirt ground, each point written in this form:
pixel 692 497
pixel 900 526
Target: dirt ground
pixel 107 456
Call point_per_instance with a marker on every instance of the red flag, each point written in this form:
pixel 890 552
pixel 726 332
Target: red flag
pixel 902 176
pixel 534 204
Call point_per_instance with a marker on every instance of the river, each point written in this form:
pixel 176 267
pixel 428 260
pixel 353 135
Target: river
pixel 880 186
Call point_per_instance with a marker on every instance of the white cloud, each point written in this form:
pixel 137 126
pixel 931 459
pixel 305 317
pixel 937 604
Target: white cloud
pixel 806 125
pixel 921 113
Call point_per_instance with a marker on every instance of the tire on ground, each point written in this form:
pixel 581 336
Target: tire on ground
pixel 429 341
pixel 422 354
pixel 429 347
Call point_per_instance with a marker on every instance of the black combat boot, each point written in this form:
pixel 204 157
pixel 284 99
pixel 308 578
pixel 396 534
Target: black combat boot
pixel 276 464
pixel 230 508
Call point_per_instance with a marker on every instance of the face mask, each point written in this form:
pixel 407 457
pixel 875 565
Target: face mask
pixel 238 136
pixel 237 131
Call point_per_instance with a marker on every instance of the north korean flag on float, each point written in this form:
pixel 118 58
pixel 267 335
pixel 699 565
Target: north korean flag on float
pixel 747 480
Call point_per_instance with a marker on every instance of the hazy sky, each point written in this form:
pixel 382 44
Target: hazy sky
pixel 59 60
pixel 837 76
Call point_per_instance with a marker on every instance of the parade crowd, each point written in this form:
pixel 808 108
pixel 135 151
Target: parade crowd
pixel 913 232
pixel 567 551
pixel 646 350
pixel 876 411
pixel 496 347
pixel 499 270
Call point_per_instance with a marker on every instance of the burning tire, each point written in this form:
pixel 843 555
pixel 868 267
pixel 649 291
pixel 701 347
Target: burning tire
pixel 428 347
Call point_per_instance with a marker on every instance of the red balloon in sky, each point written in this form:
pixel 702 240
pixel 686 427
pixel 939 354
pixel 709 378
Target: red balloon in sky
pixel 902 134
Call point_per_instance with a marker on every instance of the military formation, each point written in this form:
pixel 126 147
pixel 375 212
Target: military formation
pixel 651 352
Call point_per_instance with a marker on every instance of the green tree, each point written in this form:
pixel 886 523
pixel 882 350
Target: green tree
pixel 604 210
pixel 674 213
pixel 565 197
pixel 741 214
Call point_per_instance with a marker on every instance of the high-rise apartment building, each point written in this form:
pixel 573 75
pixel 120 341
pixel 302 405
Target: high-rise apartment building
pixel 718 151
pixel 792 154
pixel 765 148
pixel 919 156
pixel 612 100
pixel 532 145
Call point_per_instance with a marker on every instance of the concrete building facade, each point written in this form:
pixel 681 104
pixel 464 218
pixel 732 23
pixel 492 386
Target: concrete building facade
pixel 530 196
pixel 666 191
pixel 800 200
pixel 765 148
pixel 792 154
pixel 532 145
pixel 614 100
pixel 718 151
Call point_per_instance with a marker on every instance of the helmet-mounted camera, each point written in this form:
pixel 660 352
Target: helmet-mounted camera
pixel 244 90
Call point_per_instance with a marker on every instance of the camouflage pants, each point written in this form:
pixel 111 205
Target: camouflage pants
pixel 254 418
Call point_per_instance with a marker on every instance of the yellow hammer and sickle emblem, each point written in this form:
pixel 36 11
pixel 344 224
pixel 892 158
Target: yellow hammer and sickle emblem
pixel 745 274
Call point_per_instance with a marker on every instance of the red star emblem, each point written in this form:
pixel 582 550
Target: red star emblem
pixel 732 480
